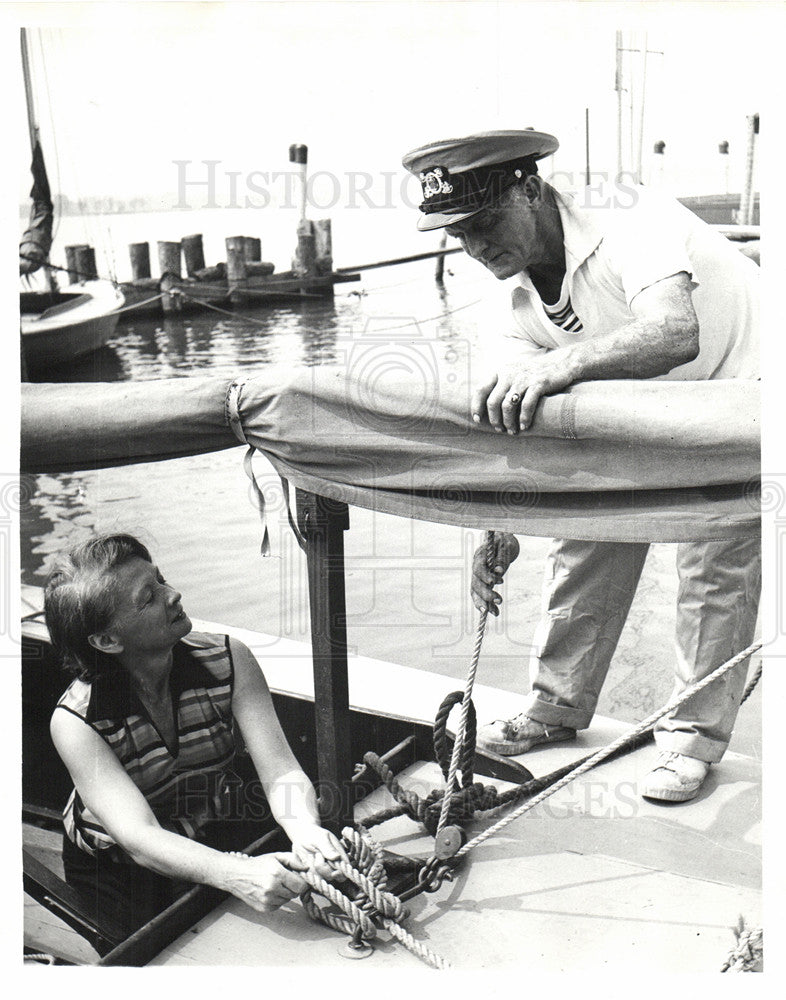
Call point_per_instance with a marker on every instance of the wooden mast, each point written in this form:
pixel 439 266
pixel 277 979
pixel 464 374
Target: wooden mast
pixel 32 124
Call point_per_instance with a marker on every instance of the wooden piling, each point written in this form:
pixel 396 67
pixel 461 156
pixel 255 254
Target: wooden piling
pixel 252 248
pixel 171 301
pixel 139 254
pixel 169 258
pixel 323 238
pixel 71 264
pixel 237 271
pixel 86 263
pixel 305 262
pixel 169 265
pixel 193 254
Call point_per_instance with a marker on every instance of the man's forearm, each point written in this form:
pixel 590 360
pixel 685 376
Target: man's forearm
pixel 639 349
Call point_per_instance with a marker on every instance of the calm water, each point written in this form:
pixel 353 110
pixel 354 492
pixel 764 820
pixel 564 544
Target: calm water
pixel 407 582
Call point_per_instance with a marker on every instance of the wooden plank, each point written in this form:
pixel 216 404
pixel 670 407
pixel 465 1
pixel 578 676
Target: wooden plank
pixel 52 892
pixel 46 933
pixel 323 523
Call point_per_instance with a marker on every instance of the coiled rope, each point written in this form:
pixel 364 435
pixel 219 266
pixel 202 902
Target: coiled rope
pixel 372 905
pixel 748 953
pixel 477 798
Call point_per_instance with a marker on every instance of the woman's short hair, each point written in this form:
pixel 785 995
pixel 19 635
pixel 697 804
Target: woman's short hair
pixel 79 600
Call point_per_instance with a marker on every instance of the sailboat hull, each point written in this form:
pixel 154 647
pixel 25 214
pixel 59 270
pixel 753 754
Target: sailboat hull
pixel 57 327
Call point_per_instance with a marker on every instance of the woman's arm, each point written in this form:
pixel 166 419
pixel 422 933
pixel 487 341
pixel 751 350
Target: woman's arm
pixel 118 805
pixel 289 792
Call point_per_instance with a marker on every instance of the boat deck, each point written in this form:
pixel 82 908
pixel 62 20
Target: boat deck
pixel 593 878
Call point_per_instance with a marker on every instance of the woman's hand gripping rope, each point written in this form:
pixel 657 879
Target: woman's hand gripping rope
pixel 372 906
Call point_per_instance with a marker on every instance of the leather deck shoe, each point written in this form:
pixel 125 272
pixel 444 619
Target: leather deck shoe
pixel 675 777
pixel 513 736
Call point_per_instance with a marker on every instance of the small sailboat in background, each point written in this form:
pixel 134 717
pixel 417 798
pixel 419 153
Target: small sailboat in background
pixel 57 324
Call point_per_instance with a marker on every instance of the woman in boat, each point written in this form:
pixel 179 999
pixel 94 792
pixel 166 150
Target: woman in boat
pixel 146 732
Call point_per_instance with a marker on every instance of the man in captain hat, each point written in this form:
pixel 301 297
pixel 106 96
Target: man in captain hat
pixel 623 285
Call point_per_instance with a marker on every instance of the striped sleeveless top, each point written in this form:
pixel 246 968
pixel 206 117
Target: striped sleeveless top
pixel 186 788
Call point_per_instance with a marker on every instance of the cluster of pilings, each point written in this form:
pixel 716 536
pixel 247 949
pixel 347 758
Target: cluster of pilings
pixel 242 279
pixel 201 284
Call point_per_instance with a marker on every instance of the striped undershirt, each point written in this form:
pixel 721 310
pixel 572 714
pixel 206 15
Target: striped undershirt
pixel 561 313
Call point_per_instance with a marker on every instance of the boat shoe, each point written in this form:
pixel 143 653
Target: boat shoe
pixel 675 777
pixel 520 734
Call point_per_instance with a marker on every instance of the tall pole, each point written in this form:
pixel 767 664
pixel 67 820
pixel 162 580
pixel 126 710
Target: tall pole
pixel 639 155
pixel 32 126
pixel 618 87
pixel 746 201
pixel 298 155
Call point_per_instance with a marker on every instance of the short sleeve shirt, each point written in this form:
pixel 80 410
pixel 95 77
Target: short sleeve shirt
pixel 618 243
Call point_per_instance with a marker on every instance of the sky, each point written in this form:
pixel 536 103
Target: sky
pixel 127 89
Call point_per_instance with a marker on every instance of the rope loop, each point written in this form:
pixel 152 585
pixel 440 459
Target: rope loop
pixel 372 905
pixel 440 737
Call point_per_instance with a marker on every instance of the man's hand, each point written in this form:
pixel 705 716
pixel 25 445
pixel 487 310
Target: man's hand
pixel 509 397
pixel 506 549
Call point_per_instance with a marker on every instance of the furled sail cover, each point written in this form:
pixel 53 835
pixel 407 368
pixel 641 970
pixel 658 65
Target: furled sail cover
pixel 373 441
pixel 396 434
pixel 37 240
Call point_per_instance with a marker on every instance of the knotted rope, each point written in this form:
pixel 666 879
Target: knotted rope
pixel 466 704
pixel 441 750
pixel 474 798
pixel 609 749
pixel 372 905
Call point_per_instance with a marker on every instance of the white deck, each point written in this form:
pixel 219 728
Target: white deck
pixel 595 877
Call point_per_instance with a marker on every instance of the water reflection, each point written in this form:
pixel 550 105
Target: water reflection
pixel 103 365
pixel 408 310
pixel 57 516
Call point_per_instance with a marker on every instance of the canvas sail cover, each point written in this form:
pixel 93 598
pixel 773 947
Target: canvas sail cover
pixel 37 240
pixel 628 443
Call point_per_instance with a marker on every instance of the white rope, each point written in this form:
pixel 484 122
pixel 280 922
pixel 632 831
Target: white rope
pixel 467 700
pixel 611 748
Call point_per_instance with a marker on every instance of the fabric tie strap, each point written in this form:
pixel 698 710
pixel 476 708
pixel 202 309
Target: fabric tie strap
pixel 232 408
pixel 233 419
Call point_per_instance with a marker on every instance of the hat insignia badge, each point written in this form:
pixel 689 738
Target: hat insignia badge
pixel 434 183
